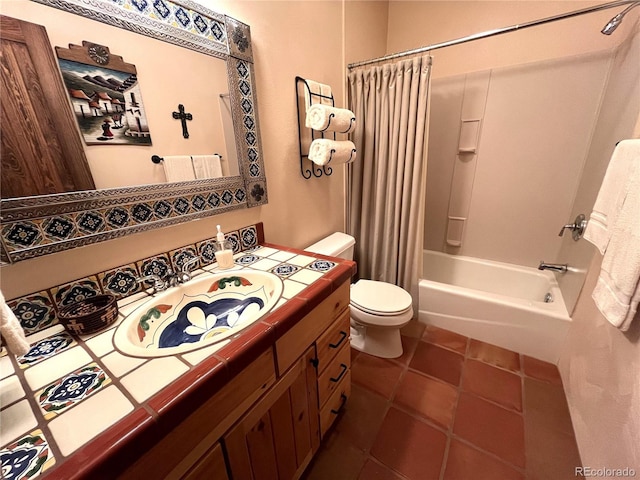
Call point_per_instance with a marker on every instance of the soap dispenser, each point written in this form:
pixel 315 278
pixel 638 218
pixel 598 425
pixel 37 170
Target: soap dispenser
pixel 223 251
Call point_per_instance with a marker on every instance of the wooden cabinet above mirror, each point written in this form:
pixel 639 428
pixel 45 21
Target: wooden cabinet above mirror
pixel 42 224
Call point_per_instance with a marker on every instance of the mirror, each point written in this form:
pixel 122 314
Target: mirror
pixel 38 225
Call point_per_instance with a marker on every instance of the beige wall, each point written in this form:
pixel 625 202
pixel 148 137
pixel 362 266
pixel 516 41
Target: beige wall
pixel 600 364
pixel 289 39
pixel 599 368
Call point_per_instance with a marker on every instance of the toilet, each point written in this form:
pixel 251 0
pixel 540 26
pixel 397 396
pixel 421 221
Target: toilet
pixel 378 309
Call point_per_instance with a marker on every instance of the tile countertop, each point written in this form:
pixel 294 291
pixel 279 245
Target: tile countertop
pixel 75 407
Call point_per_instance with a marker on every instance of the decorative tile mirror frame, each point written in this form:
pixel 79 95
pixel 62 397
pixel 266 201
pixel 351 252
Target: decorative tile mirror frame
pixel 40 225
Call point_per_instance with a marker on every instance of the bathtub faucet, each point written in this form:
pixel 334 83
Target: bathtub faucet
pixel 556 267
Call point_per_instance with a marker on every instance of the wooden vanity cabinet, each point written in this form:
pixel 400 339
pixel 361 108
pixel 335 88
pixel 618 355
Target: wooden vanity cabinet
pixel 268 421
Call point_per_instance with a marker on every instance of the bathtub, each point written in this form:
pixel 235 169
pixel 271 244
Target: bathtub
pixel 495 302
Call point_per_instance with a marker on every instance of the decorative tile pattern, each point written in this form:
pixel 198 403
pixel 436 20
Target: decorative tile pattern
pixel 27 457
pixel 162 209
pixel 284 270
pixel 234 238
pixel 207 251
pixel 117 217
pixel 90 222
pixel 322 265
pixel 247 259
pixel 158 265
pixel 71 389
pixel 75 291
pixel 59 228
pixel 120 282
pixel 35 312
pixel 249 237
pixel 46 348
pixel 180 256
pixel 22 234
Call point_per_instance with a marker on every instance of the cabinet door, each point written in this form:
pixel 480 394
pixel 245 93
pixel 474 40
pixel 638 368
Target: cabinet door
pixel 277 438
pixel 210 467
pixel 41 151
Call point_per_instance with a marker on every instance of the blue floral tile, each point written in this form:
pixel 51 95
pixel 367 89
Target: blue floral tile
pixel 234 239
pixel 226 197
pixel 121 282
pixel 71 389
pixel 35 312
pixel 207 251
pixel 141 212
pixel 322 265
pixel 59 228
pixel 22 234
pixel 181 205
pixel 90 222
pixel 180 256
pixel 284 270
pixel 159 265
pixel 247 259
pixel 76 291
pixel 27 457
pixel 240 195
pixel 198 202
pixel 217 30
pixel 118 217
pixel 214 199
pixel 46 348
pixel 162 209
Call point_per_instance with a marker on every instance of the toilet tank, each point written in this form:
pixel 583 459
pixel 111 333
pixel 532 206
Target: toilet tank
pixel 337 244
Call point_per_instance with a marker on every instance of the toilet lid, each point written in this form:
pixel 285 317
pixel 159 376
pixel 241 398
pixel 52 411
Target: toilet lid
pixel 380 297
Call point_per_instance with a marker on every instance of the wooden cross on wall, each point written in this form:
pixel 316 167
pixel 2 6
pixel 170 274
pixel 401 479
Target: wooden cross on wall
pixel 180 114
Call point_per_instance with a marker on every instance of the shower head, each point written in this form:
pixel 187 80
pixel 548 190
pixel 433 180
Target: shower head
pixel 617 20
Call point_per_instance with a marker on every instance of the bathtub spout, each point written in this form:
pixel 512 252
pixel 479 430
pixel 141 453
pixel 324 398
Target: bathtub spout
pixel 556 267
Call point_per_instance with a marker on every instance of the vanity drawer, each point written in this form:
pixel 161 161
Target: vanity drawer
pixel 333 340
pixel 294 343
pixel 335 403
pixel 329 380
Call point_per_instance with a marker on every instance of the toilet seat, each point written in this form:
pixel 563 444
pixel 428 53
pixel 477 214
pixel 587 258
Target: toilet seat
pixel 380 298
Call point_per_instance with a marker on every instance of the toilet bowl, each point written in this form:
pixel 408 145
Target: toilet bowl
pixel 378 310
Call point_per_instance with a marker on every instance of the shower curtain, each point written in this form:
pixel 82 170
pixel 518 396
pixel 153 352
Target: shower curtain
pixel 388 179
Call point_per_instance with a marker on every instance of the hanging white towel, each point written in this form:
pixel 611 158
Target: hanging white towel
pixel 323 151
pixel 331 119
pixel 11 330
pixel 617 228
pixel 312 95
pixel 611 194
pixel 207 166
pixel 178 168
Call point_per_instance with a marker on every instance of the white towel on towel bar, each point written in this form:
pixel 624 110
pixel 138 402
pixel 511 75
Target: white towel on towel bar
pixel 178 168
pixel 332 119
pixel 322 151
pixel 614 227
pixel 207 166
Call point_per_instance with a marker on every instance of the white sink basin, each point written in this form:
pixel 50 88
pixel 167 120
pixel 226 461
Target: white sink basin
pixel 201 312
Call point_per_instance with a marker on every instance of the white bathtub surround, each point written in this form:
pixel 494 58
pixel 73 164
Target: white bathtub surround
pixel 388 180
pixel 615 229
pixel 495 302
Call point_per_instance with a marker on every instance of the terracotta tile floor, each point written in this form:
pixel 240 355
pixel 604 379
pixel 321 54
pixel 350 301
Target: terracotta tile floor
pixel 451 408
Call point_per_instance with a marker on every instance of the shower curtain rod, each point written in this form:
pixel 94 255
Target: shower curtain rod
pixel 491 33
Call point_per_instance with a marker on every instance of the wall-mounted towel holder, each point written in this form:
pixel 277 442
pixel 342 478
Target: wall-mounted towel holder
pixel 302 87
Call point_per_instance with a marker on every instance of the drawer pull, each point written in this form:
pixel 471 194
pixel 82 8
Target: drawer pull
pixel 339 377
pixel 343 400
pixel 314 362
pixel 343 335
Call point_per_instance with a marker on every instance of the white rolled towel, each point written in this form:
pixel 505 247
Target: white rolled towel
pixel 332 119
pixel 324 150
pixel 11 330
